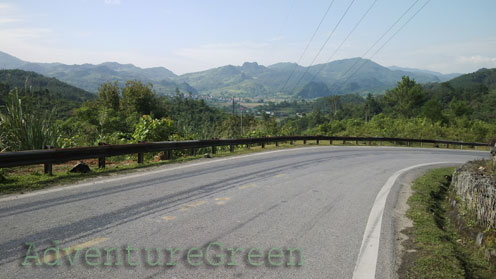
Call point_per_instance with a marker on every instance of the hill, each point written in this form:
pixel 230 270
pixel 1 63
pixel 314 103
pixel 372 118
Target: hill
pixel 44 91
pixel 281 80
pixel 442 77
pixel 473 92
pixel 289 79
pixel 89 76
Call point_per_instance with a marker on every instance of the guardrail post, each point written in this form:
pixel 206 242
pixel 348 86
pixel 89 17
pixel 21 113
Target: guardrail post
pixel 48 166
pixel 356 142
pixel 168 154
pixel 447 145
pixel 291 142
pixel 263 144
pixel 317 141
pixel 140 158
pixel 214 149
pixel 344 142
pixel 194 151
pixel 101 160
pixel 304 141
pixel 277 143
pixel 248 146
pixel 231 148
pixel 330 142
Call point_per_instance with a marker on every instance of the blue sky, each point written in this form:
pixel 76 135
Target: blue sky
pixel 188 36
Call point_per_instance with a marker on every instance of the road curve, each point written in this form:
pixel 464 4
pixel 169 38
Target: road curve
pixel 313 202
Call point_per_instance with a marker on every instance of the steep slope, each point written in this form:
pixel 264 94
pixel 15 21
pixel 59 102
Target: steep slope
pixel 44 91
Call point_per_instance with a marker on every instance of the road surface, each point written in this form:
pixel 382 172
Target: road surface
pixel 313 212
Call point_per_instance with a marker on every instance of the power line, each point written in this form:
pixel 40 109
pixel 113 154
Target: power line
pixel 389 39
pixel 345 39
pixel 325 43
pixel 308 44
pixel 382 36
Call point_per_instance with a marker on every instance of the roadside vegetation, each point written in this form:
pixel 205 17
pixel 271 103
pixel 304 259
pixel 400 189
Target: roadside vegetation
pixel 435 248
pixel 134 112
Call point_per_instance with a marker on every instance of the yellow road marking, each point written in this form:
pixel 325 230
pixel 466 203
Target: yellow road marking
pixel 169 218
pixel 280 175
pixel 222 201
pixel 251 185
pixel 71 249
pixel 191 205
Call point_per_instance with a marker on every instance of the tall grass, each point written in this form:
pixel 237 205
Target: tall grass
pixel 25 126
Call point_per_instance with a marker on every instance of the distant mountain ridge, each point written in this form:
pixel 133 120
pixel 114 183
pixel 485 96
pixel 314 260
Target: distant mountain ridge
pixel 89 76
pixel 247 80
pixel 442 77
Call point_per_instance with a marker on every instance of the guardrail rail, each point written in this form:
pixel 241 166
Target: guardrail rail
pixel 61 155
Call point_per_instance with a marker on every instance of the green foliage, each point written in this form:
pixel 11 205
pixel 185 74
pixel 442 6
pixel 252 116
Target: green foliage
pixel 137 97
pixel 109 95
pixel 149 130
pixel 43 92
pixel 25 127
pixel 406 99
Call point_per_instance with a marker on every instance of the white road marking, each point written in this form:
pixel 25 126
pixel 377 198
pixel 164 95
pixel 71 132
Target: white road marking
pixel 366 263
pixel 145 173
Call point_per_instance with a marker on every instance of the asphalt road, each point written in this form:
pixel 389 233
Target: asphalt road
pixel 314 203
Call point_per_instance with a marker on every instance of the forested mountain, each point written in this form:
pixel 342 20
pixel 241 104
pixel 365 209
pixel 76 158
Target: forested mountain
pixel 283 80
pixel 43 91
pixel 89 76
pixel 442 77
pixel 354 75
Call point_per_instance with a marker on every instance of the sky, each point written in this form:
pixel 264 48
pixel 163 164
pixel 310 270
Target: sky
pixel 193 35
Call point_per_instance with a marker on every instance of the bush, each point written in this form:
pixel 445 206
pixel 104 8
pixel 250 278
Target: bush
pixel 25 127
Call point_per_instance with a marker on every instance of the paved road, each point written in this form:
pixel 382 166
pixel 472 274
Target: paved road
pixel 312 205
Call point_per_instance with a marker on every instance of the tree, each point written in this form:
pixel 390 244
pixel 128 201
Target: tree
pixel 109 95
pixel 406 98
pixel 433 110
pixel 139 98
pixel 372 107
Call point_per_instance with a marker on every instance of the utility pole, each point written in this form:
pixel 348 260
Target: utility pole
pixel 233 119
pixel 241 109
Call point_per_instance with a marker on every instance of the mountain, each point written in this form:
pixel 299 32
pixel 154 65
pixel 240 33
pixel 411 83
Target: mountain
pixel 89 76
pixel 289 79
pixel 44 91
pixel 314 90
pixel 483 79
pixel 281 80
pixel 442 77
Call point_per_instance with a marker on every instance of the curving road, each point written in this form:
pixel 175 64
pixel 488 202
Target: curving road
pixel 319 208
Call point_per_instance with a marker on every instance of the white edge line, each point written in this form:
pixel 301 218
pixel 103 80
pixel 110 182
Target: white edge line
pixel 144 173
pixel 365 266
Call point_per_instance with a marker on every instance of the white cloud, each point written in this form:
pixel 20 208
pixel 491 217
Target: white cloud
pixel 9 14
pixel 112 2
pixel 462 57
pixel 476 59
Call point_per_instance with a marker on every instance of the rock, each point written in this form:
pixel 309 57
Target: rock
pixel 81 168
pixel 207 155
pixel 161 156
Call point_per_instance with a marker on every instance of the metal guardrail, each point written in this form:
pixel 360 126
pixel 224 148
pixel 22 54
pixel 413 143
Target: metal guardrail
pixel 55 156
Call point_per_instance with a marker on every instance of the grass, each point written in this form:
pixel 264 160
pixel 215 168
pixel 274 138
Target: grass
pixel 440 251
pixel 25 179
